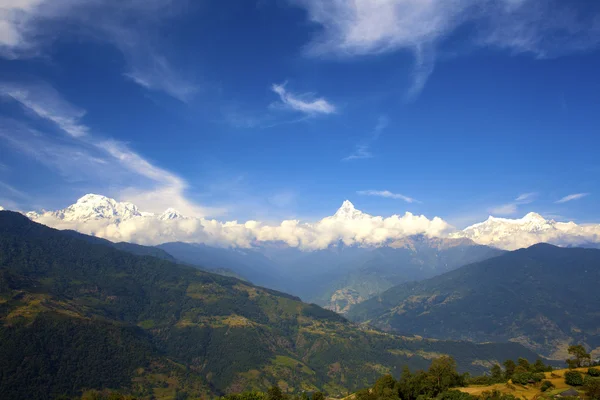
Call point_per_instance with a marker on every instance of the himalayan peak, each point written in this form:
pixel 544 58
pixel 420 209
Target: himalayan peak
pixel 349 224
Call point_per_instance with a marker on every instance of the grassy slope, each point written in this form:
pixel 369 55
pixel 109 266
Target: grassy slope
pixel 528 392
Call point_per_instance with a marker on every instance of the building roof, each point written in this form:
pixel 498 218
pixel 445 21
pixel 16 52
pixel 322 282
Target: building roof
pixel 570 392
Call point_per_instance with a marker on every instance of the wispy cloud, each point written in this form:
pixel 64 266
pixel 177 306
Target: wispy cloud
pixel 28 26
pixel 364 27
pixel 150 186
pixel 504 209
pixel 363 149
pixel 305 103
pixel 361 152
pixel 571 197
pixel 46 103
pixel 513 207
pixel 387 194
pixel 526 198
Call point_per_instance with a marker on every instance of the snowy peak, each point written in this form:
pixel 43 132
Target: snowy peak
pixel 170 214
pixel 533 217
pixel 348 212
pixel 93 207
pixel 511 234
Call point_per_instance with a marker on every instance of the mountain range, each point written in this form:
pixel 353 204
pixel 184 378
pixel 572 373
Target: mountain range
pixel 80 313
pixel 337 276
pixel 544 297
pixel 121 221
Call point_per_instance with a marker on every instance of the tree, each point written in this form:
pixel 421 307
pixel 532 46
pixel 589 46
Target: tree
pixel 496 373
pixel 386 387
pixel 580 356
pixel 573 378
pixel 274 393
pixel 318 396
pixel 509 368
pixel 539 366
pixel 443 373
pixel 522 362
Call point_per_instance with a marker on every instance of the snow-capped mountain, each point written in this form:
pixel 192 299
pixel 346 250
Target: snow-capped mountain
pixel 96 207
pixel 121 221
pixel 348 212
pixel 171 214
pixel 511 234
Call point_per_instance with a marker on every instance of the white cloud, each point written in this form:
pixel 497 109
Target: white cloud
pixel 27 27
pixel 364 27
pixel 305 103
pixel 571 197
pixel 387 194
pixel 150 186
pixel 363 150
pixel 512 208
pixel 348 225
pixel 46 103
pixel 505 209
pixel 526 198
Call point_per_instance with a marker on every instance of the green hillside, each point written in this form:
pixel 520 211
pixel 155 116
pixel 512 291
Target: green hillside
pixel 80 315
pixel 544 297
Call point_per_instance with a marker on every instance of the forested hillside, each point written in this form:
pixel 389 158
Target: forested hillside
pixel 81 315
pixel 544 297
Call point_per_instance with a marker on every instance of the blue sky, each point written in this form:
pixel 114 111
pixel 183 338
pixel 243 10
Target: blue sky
pixel 283 109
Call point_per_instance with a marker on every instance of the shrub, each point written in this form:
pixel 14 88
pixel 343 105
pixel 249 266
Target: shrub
pixel 592 388
pixel 573 378
pixel 454 395
pixel 538 376
pixel 546 385
pixel 593 372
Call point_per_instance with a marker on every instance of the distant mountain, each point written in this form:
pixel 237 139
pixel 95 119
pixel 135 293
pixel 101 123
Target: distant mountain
pixel 75 313
pixel 242 263
pixel 410 259
pixel 339 275
pixel 544 297
pixel 122 221
pixel 512 234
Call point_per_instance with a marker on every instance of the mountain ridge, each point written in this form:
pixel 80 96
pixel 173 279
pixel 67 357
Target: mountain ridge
pixel 541 297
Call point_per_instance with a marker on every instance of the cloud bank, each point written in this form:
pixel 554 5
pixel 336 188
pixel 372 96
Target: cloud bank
pixel 106 218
